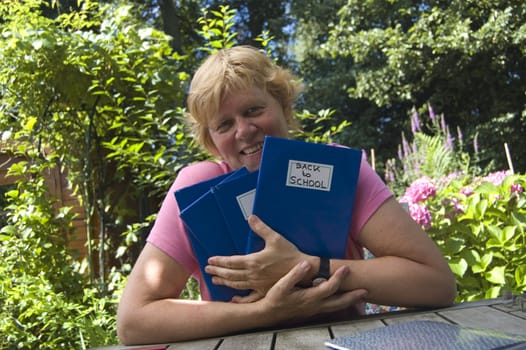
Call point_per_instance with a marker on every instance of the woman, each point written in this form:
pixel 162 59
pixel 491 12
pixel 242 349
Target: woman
pixel 236 98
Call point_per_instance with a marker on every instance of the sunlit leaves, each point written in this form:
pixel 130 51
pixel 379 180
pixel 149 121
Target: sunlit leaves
pixel 216 28
pixel 485 243
pixel 103 95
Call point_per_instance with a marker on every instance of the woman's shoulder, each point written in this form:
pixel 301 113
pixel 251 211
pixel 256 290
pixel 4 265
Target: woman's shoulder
pixel 201 171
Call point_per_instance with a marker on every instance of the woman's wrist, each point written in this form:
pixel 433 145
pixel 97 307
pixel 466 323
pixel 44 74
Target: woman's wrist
pixel 314 262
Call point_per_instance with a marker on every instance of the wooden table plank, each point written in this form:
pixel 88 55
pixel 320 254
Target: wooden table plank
pixel 202 344
pixel 253 341
pixel 427 316
pixel 512 308
pixel 496 314
pixel 304 338
pixel 342 329
pixel 486 317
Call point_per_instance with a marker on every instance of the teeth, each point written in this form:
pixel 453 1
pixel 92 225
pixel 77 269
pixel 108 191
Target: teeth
pixel 253 149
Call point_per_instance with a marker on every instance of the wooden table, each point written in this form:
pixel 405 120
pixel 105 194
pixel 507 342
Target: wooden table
pixel 507 315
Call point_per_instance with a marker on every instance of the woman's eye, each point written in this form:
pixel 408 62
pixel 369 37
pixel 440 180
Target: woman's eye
pixel 254 110
pixel 223 126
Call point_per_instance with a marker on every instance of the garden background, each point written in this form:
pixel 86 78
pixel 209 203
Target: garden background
pixel 434 92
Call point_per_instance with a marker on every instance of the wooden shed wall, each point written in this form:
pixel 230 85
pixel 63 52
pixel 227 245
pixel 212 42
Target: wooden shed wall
pixel 58 187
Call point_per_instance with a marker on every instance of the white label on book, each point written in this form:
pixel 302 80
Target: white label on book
pixel 313 176
pixel 246 202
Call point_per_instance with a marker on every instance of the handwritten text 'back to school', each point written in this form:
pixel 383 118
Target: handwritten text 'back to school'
pixel 309 175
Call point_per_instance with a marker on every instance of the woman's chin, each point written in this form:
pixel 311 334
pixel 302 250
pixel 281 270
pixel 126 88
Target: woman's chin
pixel 252 161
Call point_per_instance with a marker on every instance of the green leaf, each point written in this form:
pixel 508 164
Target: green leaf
pixel 496 275
pixel 453 245
pixel 30 123
pixel 487 188
pixel 482 264
pixel 481 207
pixel 493 292
pixel 459 268
pixel 520 277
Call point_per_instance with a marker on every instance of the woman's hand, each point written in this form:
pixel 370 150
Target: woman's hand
pixel 288 302
pixel 258 271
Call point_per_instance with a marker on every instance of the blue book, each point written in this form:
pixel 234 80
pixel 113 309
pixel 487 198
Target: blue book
pixel 187 195
pixel 305 192
pixel 235 199
pixel 207 230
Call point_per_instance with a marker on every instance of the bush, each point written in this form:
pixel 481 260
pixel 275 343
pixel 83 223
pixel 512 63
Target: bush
pixel 479 224
pixel 46 301
pixel 477 221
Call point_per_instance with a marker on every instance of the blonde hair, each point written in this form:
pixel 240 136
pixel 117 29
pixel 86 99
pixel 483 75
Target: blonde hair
pixel 231 70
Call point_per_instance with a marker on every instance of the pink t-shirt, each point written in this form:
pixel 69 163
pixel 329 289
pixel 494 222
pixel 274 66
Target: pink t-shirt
pixel 169 233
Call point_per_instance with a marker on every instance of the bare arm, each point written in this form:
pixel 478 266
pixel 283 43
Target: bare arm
pixel 409 269
pixel 150 311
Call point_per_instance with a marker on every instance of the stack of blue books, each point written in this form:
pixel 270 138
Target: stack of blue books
pixel 304 191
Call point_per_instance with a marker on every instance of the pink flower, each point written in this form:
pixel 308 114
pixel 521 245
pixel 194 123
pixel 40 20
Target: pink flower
pixel 450 177
pixel 467 191
pixel 496 178
pixel 458 208
pixel 516 188
pixel 420 214
pixel 420 190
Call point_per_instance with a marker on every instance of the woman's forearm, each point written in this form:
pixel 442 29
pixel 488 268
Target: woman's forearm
pixel 399 281
pixel 170 320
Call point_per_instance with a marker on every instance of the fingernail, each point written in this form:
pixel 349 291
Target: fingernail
pixel 305 265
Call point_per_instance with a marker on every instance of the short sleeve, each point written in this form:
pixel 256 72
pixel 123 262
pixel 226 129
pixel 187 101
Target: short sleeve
pixel 168 232
pixel 371 193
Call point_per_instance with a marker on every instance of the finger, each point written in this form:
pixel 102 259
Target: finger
pixel 252 297
pixel 241 284
pixel 227 274
pixel 260 228
pixel 332 285
pixel 230 262
pixel 293 277
pixel 341 301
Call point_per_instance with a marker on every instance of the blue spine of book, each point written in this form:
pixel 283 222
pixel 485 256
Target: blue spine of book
pixel 187 195
pixel 235 199
pixel 207 230
pixel 306 193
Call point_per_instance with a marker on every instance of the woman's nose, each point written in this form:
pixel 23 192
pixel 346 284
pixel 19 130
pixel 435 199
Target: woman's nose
pixel 244 128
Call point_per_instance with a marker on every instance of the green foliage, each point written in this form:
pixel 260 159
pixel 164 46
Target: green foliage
pixel 432 151
pixel 466 58
pixel 314 127
pixel 100 95
pixel 216 28
pixel 105 93
pixel 46 300
pixel 481 228
pixel 478 222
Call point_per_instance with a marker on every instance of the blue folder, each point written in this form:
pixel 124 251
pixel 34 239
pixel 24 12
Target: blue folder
pixel 187 195
pixel 306 192
pixel 207 230
pixel 235 199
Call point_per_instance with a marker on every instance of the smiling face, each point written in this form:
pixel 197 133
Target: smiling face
pixel 236 97
pixel 241 123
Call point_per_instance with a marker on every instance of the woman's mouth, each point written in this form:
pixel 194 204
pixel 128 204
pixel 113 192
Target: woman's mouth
pixel 252 150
